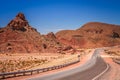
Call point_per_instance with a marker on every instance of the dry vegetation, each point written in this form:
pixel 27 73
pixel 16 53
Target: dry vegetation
pixel 114 52
pixel 18 62
pixel 15 62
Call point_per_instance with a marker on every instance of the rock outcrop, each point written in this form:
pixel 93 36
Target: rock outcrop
pixel 19 37
pixel 19 23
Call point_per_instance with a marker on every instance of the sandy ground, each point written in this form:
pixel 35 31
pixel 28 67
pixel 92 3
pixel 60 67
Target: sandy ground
pixel 83 60
pixel 112 74
pixel 14 62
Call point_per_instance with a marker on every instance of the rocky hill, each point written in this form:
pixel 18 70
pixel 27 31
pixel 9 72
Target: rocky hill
pixel 91 35
pixel 19 37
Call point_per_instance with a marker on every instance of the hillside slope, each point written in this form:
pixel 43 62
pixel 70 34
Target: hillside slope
pixel 91 35
pixel 19 37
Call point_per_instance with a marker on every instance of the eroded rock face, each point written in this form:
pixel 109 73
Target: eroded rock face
pixel 19 23
pixel 91 35
pixel 51 35
pixel 20 16
pixel 115 35
pixel 19 37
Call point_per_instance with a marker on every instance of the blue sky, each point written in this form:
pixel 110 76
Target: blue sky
pixel 54 15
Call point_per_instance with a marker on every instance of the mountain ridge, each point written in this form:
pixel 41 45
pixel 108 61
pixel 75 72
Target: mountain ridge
pixel 19 37
pixel 91 35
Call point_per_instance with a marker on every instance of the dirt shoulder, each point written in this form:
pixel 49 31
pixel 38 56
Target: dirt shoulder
pixel 114 72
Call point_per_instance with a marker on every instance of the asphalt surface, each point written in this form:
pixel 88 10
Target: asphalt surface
pixel 88 71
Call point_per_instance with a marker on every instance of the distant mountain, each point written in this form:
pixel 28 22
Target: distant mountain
pixel 91 35
pixel 19 37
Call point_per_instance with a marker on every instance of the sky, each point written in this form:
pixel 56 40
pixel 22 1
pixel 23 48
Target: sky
pixel 55 15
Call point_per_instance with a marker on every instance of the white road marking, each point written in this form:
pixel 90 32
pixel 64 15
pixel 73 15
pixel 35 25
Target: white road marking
pixel 95 78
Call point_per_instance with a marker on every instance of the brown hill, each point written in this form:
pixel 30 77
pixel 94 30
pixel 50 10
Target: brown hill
pixel 91 35
pixel 19 37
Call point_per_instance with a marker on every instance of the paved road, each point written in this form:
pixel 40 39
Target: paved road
pixel 85 72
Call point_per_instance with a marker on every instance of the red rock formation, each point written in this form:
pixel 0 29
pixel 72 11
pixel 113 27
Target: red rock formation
pixel 19 37
pixel 91 35
pixel 19 23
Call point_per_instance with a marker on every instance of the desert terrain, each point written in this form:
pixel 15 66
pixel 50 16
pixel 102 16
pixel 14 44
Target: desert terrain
pixel 17 62
pixel 22 47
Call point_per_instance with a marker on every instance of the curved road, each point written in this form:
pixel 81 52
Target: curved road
pixel 88 71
